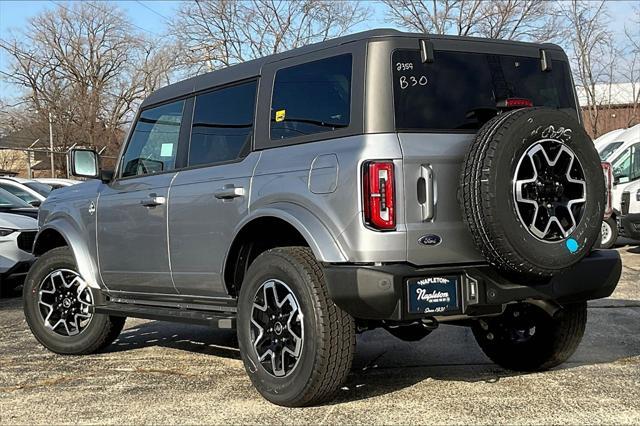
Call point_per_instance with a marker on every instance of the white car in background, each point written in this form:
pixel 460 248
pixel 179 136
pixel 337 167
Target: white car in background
pixel 630 211
pixel 57 183
pixel 17 233
pixel 625 163
pixel 29 190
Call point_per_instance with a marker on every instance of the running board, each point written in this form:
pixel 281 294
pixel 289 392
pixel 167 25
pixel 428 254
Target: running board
pixel 221 320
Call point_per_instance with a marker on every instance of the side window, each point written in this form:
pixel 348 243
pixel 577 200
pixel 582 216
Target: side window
pixel 635 162
pixel 154 142
pixel 20 193
pixel 627 165
pixel 311 98
pixel 222 124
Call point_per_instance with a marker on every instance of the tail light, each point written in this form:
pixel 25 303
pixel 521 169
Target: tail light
pixel 379 195
pixel 608 182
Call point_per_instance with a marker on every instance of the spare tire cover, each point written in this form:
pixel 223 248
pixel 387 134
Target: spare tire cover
pixel 532 191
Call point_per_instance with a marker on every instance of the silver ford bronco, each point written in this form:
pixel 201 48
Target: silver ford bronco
pixel 381 179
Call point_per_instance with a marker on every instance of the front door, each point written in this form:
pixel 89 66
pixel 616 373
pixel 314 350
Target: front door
pixel 210 197
pixel 132 210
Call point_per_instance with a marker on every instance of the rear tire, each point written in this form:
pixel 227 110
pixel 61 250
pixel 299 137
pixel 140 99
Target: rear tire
pixel 527 338
pixel 315 365
pixel 101 329
pixel 609 233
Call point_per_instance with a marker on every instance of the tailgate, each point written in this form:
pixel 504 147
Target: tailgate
pixel 431 171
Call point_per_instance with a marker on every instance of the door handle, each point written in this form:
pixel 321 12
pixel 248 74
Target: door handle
pixel 426 196
pixel 153 200
pixel 229 192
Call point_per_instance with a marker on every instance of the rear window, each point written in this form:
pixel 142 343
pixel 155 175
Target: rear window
pixel 311 98
pixel 460 90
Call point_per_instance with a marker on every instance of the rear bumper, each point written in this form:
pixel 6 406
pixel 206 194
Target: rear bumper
pixel 630 226
pixel 379 292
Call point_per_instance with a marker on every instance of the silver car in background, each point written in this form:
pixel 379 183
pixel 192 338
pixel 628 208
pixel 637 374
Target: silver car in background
pixel 17 234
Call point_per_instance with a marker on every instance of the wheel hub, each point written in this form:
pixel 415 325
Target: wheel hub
pixel 277 328
pixel 64 301
pixel 549 190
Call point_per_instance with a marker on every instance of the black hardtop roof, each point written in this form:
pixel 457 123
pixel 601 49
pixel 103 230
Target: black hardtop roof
pixel 253 68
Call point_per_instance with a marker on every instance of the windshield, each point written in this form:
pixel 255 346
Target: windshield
pixel 8 200
pixel 609 149
pixel 41 188
pixel 460 90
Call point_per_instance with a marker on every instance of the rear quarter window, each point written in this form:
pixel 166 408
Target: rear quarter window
pixel 460 90
pixel 310 98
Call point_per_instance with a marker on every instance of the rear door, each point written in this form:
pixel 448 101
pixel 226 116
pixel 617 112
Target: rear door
pixel 439 106
pixel 210 197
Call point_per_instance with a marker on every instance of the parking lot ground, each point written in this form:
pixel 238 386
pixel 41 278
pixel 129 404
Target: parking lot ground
pixel 159 372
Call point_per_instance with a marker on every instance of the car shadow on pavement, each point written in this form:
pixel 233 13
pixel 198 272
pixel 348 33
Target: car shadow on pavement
pixel 186 337
pixel 384 364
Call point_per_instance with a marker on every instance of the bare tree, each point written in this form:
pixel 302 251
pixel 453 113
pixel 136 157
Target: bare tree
pixel 215 34
pixel 534 20
pixel 594 56
pixel 631 67
pixel 84 64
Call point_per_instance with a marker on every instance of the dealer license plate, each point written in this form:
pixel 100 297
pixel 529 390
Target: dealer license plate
pixel 434 295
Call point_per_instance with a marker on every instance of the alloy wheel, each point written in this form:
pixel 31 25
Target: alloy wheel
pixel 64 301
pixel 277 328
pixel 549 190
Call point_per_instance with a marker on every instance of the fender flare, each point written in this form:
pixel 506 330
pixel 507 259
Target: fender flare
pixel 73 236
pixel 324 246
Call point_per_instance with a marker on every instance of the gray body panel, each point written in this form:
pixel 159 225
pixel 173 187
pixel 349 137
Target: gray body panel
pixel 132 238
pixel 441 155
pixel 201 226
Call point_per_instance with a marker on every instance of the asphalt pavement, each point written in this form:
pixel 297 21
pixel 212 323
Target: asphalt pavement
pixel 158 372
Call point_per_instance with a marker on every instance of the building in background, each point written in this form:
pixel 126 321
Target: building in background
pixel 616 107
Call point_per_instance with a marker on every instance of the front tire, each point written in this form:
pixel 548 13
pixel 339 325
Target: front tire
pixel 608 233
pixel 526 338
pixel 57 307
pixel 296 344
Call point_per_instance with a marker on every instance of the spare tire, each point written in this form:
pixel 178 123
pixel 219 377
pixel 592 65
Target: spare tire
pixel 531 191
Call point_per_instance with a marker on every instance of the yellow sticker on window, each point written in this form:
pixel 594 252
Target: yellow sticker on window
pixel 280 115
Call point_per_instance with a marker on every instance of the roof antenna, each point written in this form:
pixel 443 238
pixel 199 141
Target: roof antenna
pixel 426 51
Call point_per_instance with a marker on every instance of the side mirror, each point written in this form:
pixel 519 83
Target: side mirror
pixel 84 163
pixel 35 203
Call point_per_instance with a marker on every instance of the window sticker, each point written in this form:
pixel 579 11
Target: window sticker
pixel 280 115
pixel 166 150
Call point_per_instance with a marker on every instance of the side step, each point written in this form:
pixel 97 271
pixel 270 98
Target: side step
pixel 221 320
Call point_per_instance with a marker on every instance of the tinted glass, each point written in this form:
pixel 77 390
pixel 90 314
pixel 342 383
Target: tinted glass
pixel 460 90
pixel 41 188
pixel 154 142
pixel 222 124
pixel 609 149
pixel 311 98
pixel 628 163
pixel 7 199
pixel 18 192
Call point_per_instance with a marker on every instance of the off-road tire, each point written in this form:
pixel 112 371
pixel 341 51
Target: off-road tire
pixel 99 333
pixel 329 332
pixel 486 194
pixel 613 237
pixel 554 341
